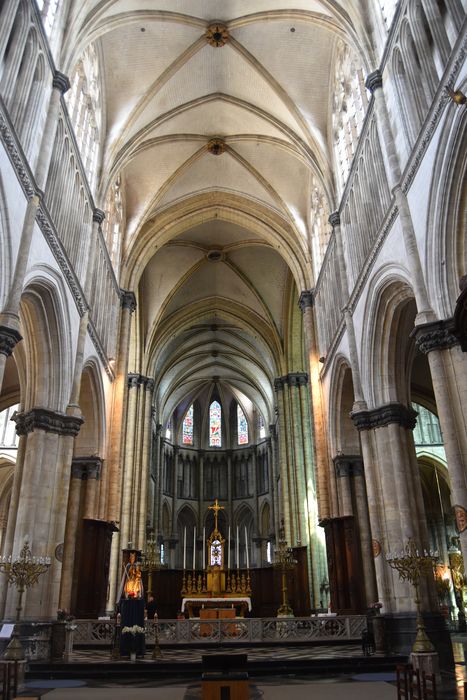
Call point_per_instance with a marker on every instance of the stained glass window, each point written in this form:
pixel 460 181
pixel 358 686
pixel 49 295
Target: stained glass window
pixel 187 437
pixel 215 424
pixel 242 426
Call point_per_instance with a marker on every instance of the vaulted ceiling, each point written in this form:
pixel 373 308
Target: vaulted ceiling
pixel 217 117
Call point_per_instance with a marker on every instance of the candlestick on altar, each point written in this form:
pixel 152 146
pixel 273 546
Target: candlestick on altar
pixel 228 551
pixel 194 549
pixel 204 547
pixel 246 549
pixel 238 550
pixel 184 548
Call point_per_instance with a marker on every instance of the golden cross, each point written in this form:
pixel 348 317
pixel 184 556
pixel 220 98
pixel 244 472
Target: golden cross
pixel 216 508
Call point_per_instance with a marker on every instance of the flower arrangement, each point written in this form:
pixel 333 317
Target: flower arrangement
pixel 136 629
pixel 64 615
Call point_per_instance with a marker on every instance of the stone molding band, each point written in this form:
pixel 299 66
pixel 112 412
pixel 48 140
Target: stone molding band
pixel 136 380
pixel 9 338
pixel 292 379
pixel 348 465
pixel 385 415
pixel 437 335
pixel 85 468
pixel 47 420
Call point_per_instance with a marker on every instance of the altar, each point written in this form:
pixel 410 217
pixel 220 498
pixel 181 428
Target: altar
pixel 216 588
pixel 222 606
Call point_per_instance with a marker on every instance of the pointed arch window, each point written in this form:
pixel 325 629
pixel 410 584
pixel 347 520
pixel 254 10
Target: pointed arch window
pixel 187 430
pixel 168 430
pixel 261 427
pixel 242 427
pixel 215 425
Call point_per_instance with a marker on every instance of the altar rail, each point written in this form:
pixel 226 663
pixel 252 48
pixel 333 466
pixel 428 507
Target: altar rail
pixel 342 628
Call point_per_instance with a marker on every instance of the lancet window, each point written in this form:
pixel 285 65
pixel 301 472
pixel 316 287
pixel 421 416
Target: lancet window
pixel 215 425
pixel 48 10
pixel 242 427
pixel 261 427
pixel 112 227
pixel 388 8
pixel 319 225
pixel 84 107
pixel 187 430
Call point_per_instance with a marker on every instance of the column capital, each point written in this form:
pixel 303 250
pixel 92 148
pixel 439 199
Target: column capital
pixel 134 380
pixel 348 465
pixel 306 300
pixel 296 378
pixel 374 81
pixel 385 415
pixel 436 335
pixel 149 384
pixel 335 219
pixel 278 383
pixel 61 82
pixel 9 338
pixel 127 300
pixel 86 467
pixel 47 420
pixel 98 216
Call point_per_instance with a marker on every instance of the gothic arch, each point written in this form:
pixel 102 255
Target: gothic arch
pixel 5 247
pixel 343 434
pixel 91 437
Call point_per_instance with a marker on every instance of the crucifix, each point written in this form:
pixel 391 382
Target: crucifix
pixel 216 508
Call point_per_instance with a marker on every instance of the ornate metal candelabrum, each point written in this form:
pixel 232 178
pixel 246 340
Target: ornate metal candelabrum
pixel 151 560
pixel 284 560
pixel 411 564
pixel 23 572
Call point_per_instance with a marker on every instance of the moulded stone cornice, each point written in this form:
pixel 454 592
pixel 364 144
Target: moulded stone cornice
pixel 385 415
pixel 47 420
pixel 61 82
pixel 86 467
pixel 436 335
pixel 134 380
pixel 9 338
pixel 374 81
pixel 16 154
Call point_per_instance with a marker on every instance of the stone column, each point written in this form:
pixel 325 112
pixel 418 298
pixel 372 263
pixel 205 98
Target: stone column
pixel 114 471
pixel 294 381
pixel 321 453
pixel 271 471
pixel 284 506
pixel 450 388
pixel 398 484
pixel 343 469
pixel 9 318
pixel 201 454
pixel 145 461
pixel 83 469
pixel 157 456
pixel 41 498
pixel 128 490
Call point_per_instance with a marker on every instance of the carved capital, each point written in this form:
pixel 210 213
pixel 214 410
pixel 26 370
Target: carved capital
pixel 436 335
pixel 306 300
pixel 60 82
pixel 98 216
pixel 385 415
pixel 127 300
pixel 278 383
pixel 9 338
pixel 134 380
pixel 348 465
pixel 297 379
pixel 335 219
pixel 149 384
pixel 48 421
pixel 86 467
pixel 374 81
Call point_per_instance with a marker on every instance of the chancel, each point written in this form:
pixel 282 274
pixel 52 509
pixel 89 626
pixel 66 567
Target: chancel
pixel 233 326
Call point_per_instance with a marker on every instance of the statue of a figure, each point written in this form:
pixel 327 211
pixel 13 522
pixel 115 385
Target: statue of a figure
pixel 132 582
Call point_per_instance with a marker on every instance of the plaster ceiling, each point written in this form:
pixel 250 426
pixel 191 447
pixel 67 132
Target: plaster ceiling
pixel 167 93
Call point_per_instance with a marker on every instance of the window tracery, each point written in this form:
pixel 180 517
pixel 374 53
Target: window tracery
pixel 215 424
pixel 187 429
pixel 48 10
pixel 112 226
pixel 319 225
pixel 84 102
pixel 242 427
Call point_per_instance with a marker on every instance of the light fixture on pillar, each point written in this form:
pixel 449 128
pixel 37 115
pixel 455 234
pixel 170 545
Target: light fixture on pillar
pixel 411 564
pixel 23 573
pixel 456 96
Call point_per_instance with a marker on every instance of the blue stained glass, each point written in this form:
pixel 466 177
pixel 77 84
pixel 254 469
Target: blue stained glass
pixel 242 426
pixel 215 424
pixel 187 436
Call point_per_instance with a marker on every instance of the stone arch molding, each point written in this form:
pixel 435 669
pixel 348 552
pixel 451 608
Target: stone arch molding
pixel 5 248
pixel 446 248
pixel 46 328
pixel 389 289
pixel 340 367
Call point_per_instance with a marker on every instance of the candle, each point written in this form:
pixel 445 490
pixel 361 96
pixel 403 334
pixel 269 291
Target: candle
pixel 238 551
pixel 194 548
pixel 204 547
pixel 228 551
pixel 246 550
pixel 184 548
